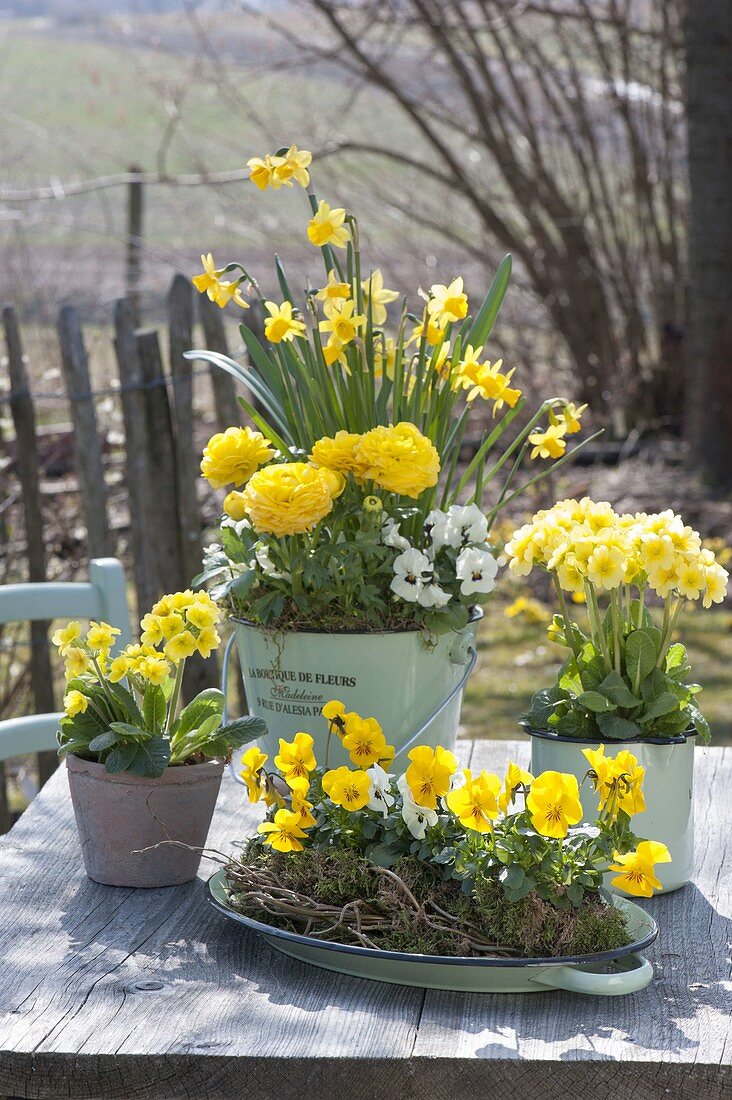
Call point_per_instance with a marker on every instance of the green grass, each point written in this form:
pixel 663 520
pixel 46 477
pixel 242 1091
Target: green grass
pixel 516 659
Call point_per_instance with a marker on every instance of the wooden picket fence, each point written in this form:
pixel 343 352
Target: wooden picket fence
pixel 161 472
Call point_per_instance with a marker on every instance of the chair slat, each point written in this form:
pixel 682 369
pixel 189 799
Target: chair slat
pixel 32 733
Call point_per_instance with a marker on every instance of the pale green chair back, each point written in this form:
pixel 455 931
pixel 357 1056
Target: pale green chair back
pixel 102 597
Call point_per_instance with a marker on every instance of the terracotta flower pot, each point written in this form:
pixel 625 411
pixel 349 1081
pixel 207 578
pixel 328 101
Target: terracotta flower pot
pixel 118 815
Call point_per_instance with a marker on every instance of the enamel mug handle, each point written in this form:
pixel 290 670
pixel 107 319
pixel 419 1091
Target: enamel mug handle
pixel 630 974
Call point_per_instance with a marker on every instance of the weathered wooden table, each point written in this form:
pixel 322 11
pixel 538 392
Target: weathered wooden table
pixel 107 992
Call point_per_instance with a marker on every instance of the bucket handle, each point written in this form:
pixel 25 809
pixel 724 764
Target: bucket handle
pixel 625 975
pixel 471 654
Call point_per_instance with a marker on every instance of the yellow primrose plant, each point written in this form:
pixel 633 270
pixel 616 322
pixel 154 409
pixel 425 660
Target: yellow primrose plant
pixel 624 677
pixel 124 711
pixel 347 502
pixel 438 858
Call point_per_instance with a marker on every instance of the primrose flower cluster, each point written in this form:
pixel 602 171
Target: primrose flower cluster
pixel 528 826
pixel 626 676
pixel 361 419
pixel 122 710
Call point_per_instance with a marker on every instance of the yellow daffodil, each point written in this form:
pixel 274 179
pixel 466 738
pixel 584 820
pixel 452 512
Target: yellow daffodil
pixel 553 802
pixel 399 459
pixel 66 636
pixel 285 833
pixel 218 290
pixel 350 789
pixel 261 170
pixel 570 417
pixel 293 165
pixel 429 773
pixel 291 497
pixel 327 227
pixel 296 758
pixel 333 293
pixel 281 325
pixel 433 333
pixel 375 293
pixel 636 870
pixel 342 322
pixel 231 457
pixel 550 443
pixel 447 303
pixel 365 742
pixel 475 803
pixel 75 702
pixel 515 777
pixel 253 761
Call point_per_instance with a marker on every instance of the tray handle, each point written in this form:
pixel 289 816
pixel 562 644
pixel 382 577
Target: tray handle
pixel 630 974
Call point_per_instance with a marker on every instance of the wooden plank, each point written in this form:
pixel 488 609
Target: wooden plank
pixel 118 993
pixel 143 485
pixel 199 673
pixel 160 448
pixel 27 463
pixel 228 409
pixel 87 445
pixel 133 259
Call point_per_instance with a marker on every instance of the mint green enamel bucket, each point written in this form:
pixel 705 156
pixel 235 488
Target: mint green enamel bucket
pixel 668 788
pixel 414 690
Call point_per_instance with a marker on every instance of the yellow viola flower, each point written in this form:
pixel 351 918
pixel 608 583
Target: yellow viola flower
pixel 299 803
pixel 333 293
pixel 606 567
pixel 327 227
pixel 154 669
pixel 75 702
pixel 77 662
pixel 253 761
pixel 347 788
pixel 66 636
pixel 447 303
pixel 281 325
pixel 290 498
pixel 101 635
pixel 296 758
pixel 365 742
pixel 231 457
pixel 337 452
pixel 333 710
pixel 515 777
pixel 180 647
pixel 475 804
pixel 378 295
pixel 550 443
pixel 636 870
pixel 399 459
pixel 429 773
pixel 618 780
pixel 261 171
pixel 630 783
pixel 285 833
pixel 207 641
pixel 554 805
pixel 570 417
pixel 342 322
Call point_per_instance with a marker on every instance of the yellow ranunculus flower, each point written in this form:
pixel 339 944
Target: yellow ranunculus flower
pixel 296 758
pixel 377 294
pixel 399 459
pixel 327 227
pixel 428 776
pixel 636 870
pixel 285 833
pixel 338 452
pixel 475 803
pixel 101 635
pixel 180 647
pixel 554 805
pixel 66 636
pixel 515 777
pixel 231 457
pixel 77 662
pixel 347 788
pixel 550 443
pixel 281 325
pixel 234 505
pixel 447 303
pixel 365 742
pixel 342 322
pixel 75 702
pixel 290 498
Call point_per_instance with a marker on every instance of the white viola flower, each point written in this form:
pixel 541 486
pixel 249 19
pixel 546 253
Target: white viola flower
pixel 477 570
pixel 412 570
pixel 442 531
pixel 381 798
pixel 261 553
pixel 390 536
pixel 471 522
pixel 433 596
pixel 238 526
pixel 415 817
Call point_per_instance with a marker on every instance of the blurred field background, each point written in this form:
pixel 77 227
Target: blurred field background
pixel 568 126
